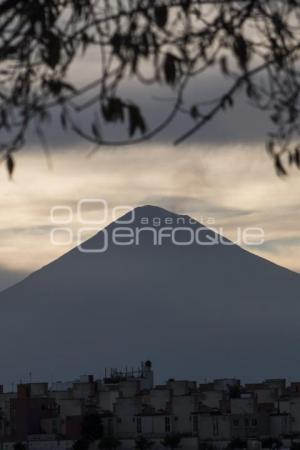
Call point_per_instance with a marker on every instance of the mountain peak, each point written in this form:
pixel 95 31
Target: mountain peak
pixel 146 214
pixel 153 211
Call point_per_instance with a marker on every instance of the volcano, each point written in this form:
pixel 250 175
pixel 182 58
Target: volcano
pixel 144 287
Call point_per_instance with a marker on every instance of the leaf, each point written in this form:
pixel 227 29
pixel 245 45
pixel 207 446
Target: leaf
pixel 113 110
pixel 270 146
pixel 53 50
pixel 170 69
pixel 185 5
pixel 3 115
pixel 161 16
pixel 297 157
pixel 194 112
pixel 275 117
pixel 250 92
pixel 227 100
pixel 136 121
pixel 8 51
pixel 55 86
pixel 135 59
pixel 279 166
pixel 10 165
pixel 96 131
pixel 224 65
pixel 95 127
pixel 240 48
pixel 63 120
pixel 278 24
pixel 144 47
pixel 116 42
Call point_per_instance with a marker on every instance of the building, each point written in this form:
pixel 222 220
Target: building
pixel 129 404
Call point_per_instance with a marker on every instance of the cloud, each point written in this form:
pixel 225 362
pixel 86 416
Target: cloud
pixel 234 184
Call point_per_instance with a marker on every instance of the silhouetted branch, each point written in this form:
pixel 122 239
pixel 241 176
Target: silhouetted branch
pixel 171 43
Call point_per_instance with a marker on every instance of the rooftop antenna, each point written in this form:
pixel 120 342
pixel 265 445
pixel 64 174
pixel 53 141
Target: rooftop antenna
pixel 30 377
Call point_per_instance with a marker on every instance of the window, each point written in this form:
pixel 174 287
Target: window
pixel 139 424
pixel 54 426
pixel 195 424
pixel 215 427
pixel 109 426
pixel 167 425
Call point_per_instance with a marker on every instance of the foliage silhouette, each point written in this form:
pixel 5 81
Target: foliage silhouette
pixel 237 443
pixel 20 446
pixel 253 44
pixel 81 444
pixel 109 442
pixel 271 443
pixel 172 441
pixel 142 443
pixel 91 428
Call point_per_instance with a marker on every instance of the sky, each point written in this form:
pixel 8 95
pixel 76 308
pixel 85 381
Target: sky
pixel 222 174
pixel 228 187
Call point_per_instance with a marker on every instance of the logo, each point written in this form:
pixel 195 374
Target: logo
pixel 75 225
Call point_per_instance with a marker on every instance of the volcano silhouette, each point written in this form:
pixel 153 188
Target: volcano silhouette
pixel 194 310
